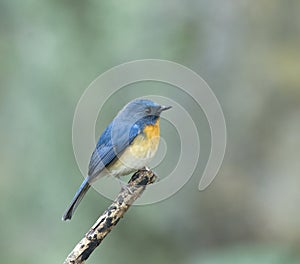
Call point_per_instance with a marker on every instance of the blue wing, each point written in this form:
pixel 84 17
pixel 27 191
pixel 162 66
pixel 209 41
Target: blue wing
pixel 109 146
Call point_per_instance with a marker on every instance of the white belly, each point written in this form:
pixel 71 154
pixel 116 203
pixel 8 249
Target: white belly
pixel 135 157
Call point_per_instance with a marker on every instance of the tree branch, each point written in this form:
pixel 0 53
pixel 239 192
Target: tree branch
pixel 111 216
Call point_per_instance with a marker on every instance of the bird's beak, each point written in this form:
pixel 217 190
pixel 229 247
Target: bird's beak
pixel 164 108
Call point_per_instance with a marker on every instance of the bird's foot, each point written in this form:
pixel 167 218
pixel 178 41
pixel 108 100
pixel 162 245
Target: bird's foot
pixel 148 169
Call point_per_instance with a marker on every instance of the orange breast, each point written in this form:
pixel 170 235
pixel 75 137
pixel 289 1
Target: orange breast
pixel 152 131
pixel 145 145
pixel 139 153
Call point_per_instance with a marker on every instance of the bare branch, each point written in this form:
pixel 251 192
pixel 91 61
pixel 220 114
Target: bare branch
pixel 111 216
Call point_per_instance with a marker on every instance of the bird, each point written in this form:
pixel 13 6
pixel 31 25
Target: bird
pixel 127 145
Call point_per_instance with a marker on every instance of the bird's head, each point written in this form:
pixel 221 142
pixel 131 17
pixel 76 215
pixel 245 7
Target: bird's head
pixel 143 109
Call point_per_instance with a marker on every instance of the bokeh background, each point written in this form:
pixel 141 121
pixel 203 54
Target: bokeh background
pixel 247 51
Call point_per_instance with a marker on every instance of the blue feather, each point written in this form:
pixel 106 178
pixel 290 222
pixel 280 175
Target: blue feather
pixel 111 143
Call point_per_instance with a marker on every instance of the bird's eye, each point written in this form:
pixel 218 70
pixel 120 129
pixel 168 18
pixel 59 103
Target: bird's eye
pixel 148 110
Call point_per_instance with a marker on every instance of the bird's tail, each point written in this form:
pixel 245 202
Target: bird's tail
pixel 76 200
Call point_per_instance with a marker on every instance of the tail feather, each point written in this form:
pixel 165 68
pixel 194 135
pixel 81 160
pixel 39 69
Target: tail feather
pixel 76 200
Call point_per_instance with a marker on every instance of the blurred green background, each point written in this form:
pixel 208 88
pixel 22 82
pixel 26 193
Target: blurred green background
pixel 247 51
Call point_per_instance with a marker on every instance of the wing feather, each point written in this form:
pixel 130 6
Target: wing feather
pixel 111 143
